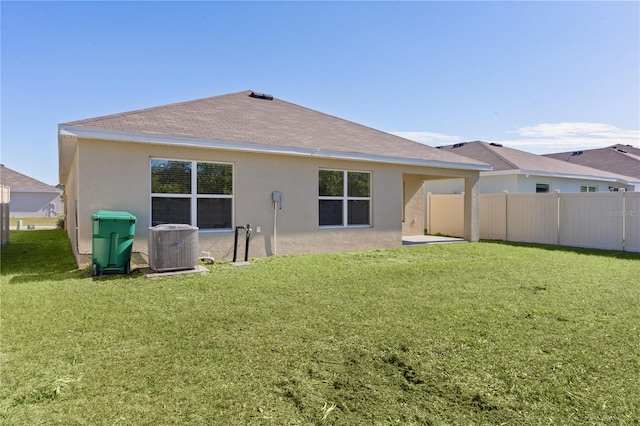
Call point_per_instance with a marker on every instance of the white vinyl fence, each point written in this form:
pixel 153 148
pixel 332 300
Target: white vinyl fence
pixel 609 221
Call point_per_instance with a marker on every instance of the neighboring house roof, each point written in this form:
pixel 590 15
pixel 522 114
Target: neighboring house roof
pixel 508 160
pixel 23 183
pixel 622 159
pixel 256 122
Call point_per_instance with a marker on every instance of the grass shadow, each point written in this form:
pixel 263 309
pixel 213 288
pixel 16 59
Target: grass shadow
pixel 568 249
pixel 38 255
pixel 54 276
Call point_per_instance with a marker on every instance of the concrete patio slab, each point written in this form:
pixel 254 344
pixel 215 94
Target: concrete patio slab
pixel 430 239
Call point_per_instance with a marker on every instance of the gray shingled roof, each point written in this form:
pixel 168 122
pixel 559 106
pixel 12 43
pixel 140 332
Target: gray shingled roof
pixel 18 182
pixel 622 159
pixel 503 158
pixel 241 118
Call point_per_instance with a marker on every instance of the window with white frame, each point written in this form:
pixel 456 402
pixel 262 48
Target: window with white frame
pixel 588 188
pixel 344 198
pixel 192 192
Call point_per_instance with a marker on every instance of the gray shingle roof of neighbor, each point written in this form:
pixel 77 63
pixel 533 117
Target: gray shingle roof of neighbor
pixel 18 182
pixel 248 117
pixel 622 159
pixel 503 158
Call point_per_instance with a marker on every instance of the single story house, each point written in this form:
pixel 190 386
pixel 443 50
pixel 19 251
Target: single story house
pixel 306 181
pixel 30 197
pixel 621 159
pixel 518 171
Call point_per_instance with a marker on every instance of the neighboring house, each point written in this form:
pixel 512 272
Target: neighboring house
pixel 304 180
pixel 30 197
pixel 517 171
pixel 621 159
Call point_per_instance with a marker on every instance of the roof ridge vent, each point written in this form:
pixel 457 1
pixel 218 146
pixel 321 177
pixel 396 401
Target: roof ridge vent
pixel 260 96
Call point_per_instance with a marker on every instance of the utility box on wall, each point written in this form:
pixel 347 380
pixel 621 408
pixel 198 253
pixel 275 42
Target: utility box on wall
pixel 173 247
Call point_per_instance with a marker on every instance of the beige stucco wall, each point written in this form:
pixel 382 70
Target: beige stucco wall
pixel 111 175
pixel 115 176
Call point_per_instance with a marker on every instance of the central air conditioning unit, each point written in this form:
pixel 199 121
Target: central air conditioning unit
pixel 173 247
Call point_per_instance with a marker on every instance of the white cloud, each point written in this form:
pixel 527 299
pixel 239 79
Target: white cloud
pixel 429 138
pixel 544 138
pixel 556 130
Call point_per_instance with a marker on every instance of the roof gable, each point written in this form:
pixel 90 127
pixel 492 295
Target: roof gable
pixel 481 151
pixel 244 118
pixel 19 182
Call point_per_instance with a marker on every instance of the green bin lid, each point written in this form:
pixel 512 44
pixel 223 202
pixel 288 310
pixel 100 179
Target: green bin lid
pixel 106 214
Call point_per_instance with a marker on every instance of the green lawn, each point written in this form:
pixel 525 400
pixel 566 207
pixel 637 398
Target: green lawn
pixel 460 334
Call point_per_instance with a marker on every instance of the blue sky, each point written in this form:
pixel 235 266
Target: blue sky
pixel 538 76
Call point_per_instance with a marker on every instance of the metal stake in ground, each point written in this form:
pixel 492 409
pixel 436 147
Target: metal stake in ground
pixel 247 229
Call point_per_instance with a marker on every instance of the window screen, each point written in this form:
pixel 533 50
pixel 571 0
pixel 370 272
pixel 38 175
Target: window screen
pixel 214 213
pixel 170 177
pixel 166 210
pixel 207 203
pixel 215 178
pixel 344 198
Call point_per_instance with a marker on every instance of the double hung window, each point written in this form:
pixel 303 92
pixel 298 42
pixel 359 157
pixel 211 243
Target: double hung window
pixel 190 192
pixel 344 198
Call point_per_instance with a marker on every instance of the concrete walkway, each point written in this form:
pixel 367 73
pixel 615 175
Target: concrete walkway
pixel 429 239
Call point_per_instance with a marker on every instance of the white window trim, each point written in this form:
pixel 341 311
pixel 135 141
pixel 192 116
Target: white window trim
pixel 345 200
pixel 588 187
pixel 194 195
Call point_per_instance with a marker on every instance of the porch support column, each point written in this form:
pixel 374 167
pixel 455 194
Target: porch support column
pixel 472 207
pixel 413 216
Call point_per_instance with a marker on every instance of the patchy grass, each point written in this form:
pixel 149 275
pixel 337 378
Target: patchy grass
pixel 485 333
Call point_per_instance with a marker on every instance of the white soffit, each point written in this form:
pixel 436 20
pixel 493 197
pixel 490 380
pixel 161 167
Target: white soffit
pixel 93 133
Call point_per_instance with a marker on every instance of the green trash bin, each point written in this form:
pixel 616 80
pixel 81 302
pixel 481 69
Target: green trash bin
pixel 112 242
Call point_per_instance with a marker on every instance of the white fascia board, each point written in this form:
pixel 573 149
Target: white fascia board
pixel 37 191
pixel 558 175
pixel 92 133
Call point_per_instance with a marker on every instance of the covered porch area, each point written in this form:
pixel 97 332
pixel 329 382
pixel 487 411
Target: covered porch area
pixel 414 203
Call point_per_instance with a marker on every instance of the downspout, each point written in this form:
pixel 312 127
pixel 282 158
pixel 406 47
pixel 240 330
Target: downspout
pixel 275 225
pixel 276 198
pixel 624 219
pixel 557 191
pixel 506 215
pixel 75 211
